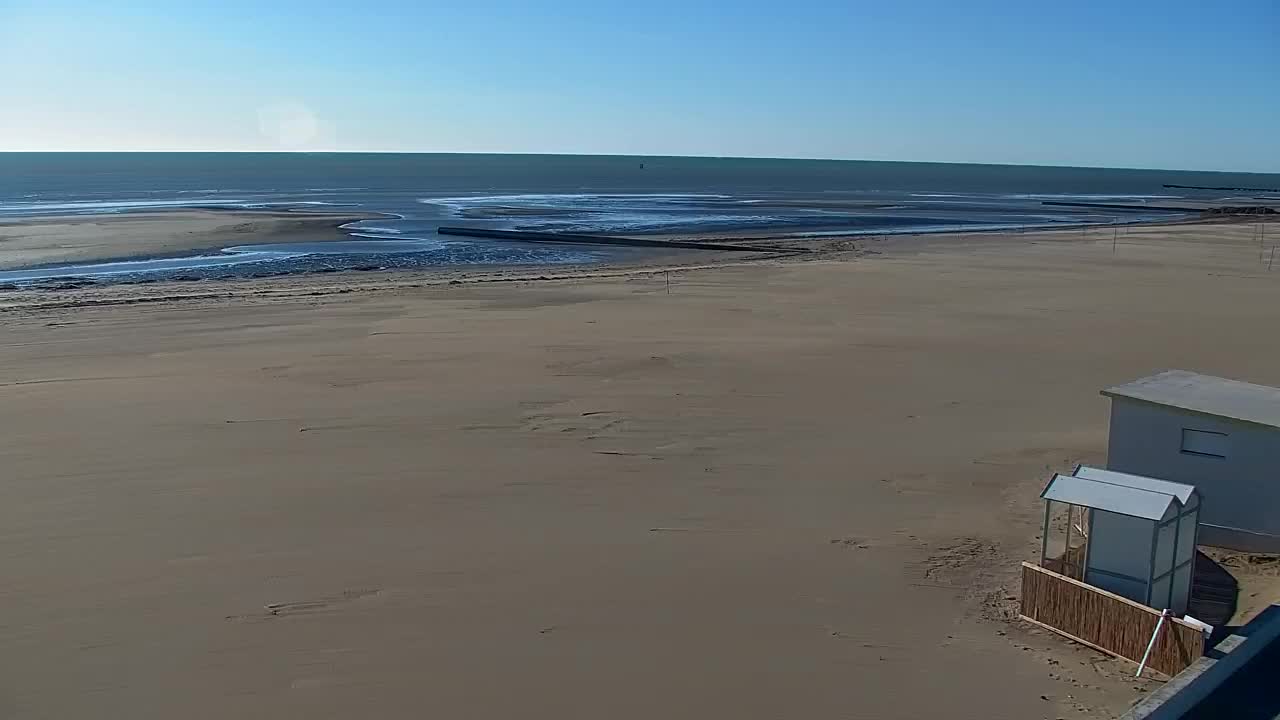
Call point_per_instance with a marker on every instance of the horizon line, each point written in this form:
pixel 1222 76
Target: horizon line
pixel 626 155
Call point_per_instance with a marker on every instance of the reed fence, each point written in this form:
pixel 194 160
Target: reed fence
pixel 1105 621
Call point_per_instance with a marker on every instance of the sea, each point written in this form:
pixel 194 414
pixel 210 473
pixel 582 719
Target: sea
pixel 414 194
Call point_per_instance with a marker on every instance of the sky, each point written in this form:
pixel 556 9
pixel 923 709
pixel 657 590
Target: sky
pixel 1178 84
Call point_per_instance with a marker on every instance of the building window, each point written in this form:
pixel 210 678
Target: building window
pixel 1204 442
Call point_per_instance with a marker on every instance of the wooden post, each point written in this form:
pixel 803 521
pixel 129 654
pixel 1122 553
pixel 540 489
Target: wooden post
pixel 668 274
pixel 1115 235
pixel 1273 258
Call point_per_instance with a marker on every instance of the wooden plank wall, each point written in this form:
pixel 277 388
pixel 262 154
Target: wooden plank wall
pixel 1107 622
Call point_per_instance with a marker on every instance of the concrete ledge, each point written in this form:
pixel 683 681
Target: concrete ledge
pixel 1216 685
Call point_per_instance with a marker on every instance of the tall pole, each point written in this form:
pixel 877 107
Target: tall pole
pixel 1115 234
pixel 1151 645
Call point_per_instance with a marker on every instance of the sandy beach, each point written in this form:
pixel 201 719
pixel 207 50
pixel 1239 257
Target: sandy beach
pixel 87 238
pixel 794 488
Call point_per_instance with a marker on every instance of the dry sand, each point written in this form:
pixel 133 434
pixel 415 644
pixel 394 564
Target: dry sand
pixel 85 238
pixel 784 490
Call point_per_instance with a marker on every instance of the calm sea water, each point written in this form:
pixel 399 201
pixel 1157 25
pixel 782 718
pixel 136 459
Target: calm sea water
pixel 623 195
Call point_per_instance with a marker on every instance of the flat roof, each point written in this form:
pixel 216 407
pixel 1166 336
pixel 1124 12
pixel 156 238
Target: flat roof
pixel 1206 394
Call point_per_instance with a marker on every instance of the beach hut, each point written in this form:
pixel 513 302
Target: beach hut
pixel 1220 435
pixel 1130 535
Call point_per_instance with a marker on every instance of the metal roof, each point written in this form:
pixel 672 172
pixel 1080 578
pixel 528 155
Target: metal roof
pixel 1205 394
pixel 1178 490
pixel 1113 495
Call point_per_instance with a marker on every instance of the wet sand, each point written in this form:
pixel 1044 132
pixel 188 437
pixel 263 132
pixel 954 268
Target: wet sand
pixel 784 489
pixel 90 238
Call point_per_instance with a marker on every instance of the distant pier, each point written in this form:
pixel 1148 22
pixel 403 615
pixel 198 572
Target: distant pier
pixel 1230 189
pixel 1119 206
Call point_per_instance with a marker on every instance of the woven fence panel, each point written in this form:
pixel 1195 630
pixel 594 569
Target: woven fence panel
pixel 1109 622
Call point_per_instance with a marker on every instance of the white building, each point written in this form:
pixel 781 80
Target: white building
pixel 1221 436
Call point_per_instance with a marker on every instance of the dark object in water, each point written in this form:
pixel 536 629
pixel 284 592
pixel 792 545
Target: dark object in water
pixel 1119 206
pixel 584 239
pixel 1240 210
pixel 1230 189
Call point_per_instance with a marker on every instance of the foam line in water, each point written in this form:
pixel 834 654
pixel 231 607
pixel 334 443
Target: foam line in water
pixel 289 204
pixel 571 196
pixel 372 246
pixel 372 229
pixel 355 225
pixel 569 201
pixel 98 206
pixel 638 222
pixel 130 267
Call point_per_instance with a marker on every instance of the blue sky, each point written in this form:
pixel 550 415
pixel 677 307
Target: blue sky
pixel 1174 84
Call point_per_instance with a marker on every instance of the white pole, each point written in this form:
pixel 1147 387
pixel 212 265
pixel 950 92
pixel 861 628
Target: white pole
pixel 1146 655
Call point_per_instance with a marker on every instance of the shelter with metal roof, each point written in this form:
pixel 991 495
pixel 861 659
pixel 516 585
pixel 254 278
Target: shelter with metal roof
pixel 1221 436
pixel 1128 534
